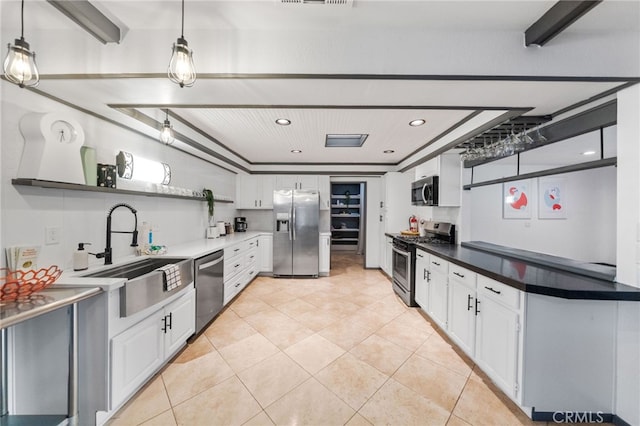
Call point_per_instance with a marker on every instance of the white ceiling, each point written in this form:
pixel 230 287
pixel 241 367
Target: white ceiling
pixel 366 68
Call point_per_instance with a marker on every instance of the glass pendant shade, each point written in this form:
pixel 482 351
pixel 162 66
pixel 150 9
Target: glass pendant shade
pixel 166 134
pixel 181 67
pixel 20 65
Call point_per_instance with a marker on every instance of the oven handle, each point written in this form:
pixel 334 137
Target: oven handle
pixel 401 253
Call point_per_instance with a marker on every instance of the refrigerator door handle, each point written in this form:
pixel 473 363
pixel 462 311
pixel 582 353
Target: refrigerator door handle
pixel 293 222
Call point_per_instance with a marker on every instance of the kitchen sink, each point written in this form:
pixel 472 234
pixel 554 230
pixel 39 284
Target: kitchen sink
pixel 145 284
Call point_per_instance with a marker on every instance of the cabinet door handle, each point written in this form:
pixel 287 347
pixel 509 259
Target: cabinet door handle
pixel 428 276
pixel 255 203
pixel 419 255
pixel 237 265
pixel 435 263
pixel 460 275
pixel 491 289
pixel 469 298
pixel 166 322
pixel 477 307
pixel 170 320
pixel 236 250
pixel 424 274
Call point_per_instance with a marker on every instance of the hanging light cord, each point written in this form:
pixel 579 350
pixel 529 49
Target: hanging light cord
pixel 22 21
pixel 181 31
pixel 167 110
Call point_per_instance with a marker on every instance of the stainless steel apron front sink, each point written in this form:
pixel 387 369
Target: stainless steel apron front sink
pixel 145 285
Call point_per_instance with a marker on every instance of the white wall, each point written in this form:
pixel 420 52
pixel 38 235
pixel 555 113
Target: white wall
pixel 81 216
pixel 628 247
pixel 590 200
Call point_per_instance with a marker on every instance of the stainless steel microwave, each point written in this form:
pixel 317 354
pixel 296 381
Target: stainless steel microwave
pixel 424 192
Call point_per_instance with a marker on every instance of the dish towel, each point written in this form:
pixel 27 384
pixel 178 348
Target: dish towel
pixel 171 276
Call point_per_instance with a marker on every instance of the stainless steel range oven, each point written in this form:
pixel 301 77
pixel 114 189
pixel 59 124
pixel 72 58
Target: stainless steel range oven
pixel 404 257
pixel 404 254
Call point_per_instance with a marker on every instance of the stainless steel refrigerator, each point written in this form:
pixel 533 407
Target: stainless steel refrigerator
pixel 295 233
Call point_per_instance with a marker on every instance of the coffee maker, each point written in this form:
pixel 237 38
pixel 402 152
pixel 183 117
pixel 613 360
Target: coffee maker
pixel 240 224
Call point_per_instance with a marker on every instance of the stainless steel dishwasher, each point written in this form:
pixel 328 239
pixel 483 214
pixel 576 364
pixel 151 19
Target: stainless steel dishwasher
pixel 209 288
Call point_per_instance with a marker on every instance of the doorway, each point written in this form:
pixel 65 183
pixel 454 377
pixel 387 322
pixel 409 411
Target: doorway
pixel 348 217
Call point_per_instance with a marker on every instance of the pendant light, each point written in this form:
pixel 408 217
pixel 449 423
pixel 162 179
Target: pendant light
pixel 181 68
pixel 20 63
pixel 166 134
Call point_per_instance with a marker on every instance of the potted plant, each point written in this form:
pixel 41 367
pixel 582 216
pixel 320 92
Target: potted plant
pixel 208 194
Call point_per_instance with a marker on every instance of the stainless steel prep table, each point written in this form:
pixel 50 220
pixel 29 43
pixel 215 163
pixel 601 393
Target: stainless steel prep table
pixel 45 301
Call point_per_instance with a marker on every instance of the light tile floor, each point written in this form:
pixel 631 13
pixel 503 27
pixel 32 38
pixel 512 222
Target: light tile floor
pixel 339 350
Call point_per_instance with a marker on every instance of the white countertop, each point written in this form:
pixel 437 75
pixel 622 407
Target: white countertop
pixel 193 249
pixel 205 246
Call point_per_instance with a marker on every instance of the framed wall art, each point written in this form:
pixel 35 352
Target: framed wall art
pixel 516 199
pixel 553 198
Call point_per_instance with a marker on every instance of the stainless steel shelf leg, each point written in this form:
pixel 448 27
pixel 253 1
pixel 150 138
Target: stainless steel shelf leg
pixel 4 382
pixel 72 411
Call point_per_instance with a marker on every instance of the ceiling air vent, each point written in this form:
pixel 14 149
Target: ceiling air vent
pixel 348 3
pixel 333 141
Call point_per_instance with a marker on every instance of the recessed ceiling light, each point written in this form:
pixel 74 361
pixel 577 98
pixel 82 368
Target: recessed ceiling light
pixel 388 151
pixel 588 153
pixel 416 123
pixel 296 151
pixel 283 121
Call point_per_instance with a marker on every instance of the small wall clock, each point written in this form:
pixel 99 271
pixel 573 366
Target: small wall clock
pixel 52 148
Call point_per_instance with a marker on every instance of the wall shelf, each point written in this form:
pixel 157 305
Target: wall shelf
pixel 79 187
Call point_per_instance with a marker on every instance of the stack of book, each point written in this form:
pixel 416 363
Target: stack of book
pixel 22 258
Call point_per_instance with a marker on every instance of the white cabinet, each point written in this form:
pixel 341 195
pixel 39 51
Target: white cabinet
pixel 240 267
pixel 254 191
pixel 387 259
pixel 462 307
pixel 324 261
pixel 135 355
pixel 178 323
pixel 265 253
pixel 324 188
pixel 297 182
pixel 497 333
pixel 437 296
pixel 448 168
pixel 396 201
pixel 422 278
pixel 141 350
pixel 497 344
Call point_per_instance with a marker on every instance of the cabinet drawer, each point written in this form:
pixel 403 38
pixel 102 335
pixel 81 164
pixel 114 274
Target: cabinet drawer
pixel 253 243
pixel 437 264
pixel 233 267
pixel 232 287
pixel 231 253
pixel 502 293
pixel 251 257
pixel 462 275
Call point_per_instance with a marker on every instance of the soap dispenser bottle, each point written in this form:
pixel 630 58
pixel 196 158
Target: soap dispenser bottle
pixel 81 258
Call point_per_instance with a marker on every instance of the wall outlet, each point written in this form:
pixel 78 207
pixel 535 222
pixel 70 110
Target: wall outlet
pixel 52 235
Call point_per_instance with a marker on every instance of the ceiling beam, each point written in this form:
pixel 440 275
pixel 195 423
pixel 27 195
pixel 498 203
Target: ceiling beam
pixel 89 18
pixel 556 20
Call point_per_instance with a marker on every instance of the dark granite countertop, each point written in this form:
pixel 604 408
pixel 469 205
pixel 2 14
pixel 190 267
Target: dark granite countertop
pixel 532 277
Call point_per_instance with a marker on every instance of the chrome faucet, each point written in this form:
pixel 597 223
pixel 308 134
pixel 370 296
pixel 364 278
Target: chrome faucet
pixel 108 251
